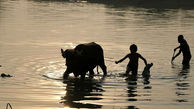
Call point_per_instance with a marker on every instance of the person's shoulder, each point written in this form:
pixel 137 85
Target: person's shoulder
pixel 184 43
pixel 138 54
pixel 129 54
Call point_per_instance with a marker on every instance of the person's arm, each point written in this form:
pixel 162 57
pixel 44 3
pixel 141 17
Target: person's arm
pixel 141 57
pixel 122 59
pixel 176 55
pixel 176 48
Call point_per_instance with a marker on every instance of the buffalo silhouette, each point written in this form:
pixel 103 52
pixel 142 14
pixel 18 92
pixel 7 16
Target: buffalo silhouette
pixel 84 58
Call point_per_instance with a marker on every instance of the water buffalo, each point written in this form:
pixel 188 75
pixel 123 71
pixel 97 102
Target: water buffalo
pixel 84 58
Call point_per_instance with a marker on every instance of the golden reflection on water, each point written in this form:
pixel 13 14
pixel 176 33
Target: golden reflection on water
pixel 33 32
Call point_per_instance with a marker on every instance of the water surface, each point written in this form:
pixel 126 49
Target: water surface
pixel 32 32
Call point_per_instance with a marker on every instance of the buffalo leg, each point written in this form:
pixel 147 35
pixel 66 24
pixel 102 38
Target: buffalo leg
pixel 103 67
pixel 83 75
pixel 76 74
pixel 66 74
pixel 91 73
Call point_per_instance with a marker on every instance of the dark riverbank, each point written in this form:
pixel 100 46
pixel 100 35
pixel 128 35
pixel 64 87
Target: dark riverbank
pixel 150 3
pixel 186 4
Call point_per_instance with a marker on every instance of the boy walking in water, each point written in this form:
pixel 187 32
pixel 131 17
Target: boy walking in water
pixel 184 48
pixel 133 57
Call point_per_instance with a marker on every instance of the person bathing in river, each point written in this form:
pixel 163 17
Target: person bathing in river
pixel 133 57
pixel 184 48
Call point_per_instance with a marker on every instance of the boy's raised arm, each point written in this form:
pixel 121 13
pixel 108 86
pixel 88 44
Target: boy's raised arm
pixel 121 59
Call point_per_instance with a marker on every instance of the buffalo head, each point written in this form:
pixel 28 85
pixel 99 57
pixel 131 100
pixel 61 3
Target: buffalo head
pixel 67 53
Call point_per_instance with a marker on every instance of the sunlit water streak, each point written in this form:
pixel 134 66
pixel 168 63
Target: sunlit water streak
pixel 32 32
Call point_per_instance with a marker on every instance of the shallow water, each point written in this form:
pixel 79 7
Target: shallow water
pixel 32 32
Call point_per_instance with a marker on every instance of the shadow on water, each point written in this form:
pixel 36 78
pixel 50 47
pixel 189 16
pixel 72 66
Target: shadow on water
pixel 146 80
pixel 132 87
pixel 182 84
pixel 77 91
pixel 132 107
pixel 158 4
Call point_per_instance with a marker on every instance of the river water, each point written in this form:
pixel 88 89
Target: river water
pixel 32 32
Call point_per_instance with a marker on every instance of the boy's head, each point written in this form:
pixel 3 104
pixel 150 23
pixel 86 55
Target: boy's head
pixel 133 48
pixel 180 38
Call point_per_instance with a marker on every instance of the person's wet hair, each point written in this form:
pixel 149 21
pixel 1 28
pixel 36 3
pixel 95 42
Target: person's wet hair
pixel 133 48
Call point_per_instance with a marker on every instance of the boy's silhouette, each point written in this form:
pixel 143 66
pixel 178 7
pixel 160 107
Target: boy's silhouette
pixel 184 48
pixel 133 57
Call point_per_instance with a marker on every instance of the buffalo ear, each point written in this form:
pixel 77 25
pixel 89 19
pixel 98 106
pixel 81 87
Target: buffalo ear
pixel 61 50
